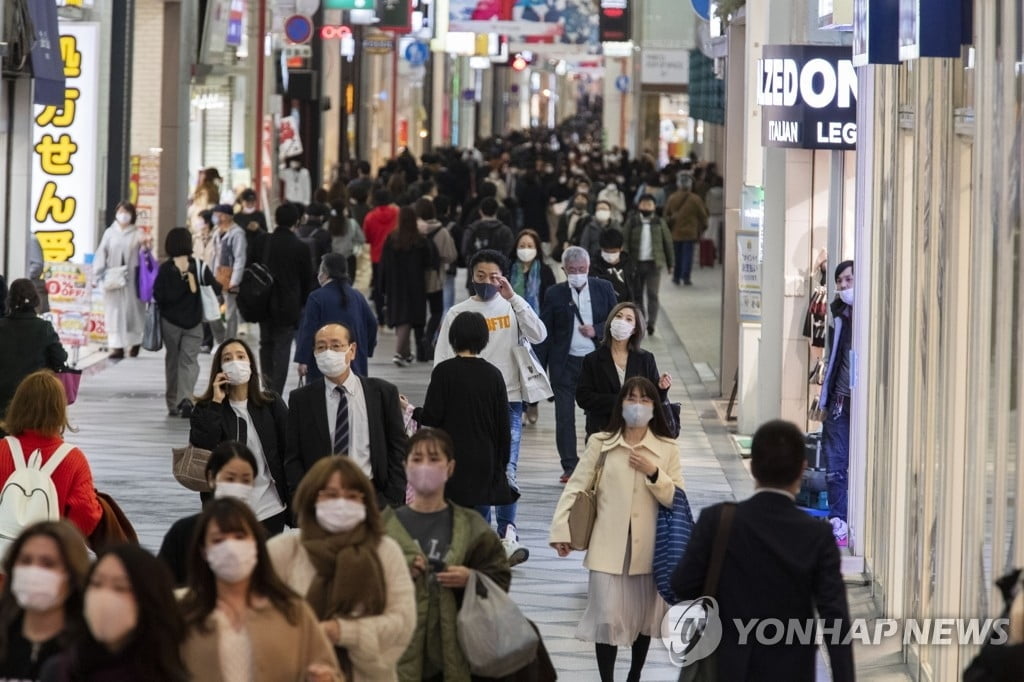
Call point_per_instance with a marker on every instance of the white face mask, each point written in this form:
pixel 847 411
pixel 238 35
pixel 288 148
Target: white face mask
pixel 637 414
pixel 621 330
pixel 603 215
pixel 248 209
pixel 36 588
pixel 577 281
pixel 526 255
pixel 239 491
pixel 296 164
pixel 610 257
pixel 110 615
pixel 232 560
pixel 846 295
pixel 340 515
pixel 123 218
pixel 238 372
pixel 332 363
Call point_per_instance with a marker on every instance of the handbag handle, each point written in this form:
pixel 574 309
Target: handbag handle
pixel 598 471
pixel 718 549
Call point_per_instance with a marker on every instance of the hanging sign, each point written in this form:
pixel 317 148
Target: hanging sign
pixel 935 28
pixel 614 21
pixel 876 32
pixel 64 141
pixel 808 97
pixel 395 15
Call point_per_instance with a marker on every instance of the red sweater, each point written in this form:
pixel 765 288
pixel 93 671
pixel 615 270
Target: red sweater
pixel 377 225
pixel 72 479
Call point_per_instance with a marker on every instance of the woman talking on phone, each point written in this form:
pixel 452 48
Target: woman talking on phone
pixel 236 408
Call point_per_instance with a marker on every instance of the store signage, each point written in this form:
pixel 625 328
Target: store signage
pixel 65 140
pixel 47 67
pixel 395 15
pixel 70 299
pixel 348 4
pixel 235 18
pixel 335 32
pixel 876 32
pixel 665 67
pixel 614 20
pixel 379 44
pixel 934 28
pixel 808 97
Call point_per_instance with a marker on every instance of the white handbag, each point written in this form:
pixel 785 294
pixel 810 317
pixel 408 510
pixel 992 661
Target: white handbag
pixel 211 306
pixel 533 381
pixel 115 277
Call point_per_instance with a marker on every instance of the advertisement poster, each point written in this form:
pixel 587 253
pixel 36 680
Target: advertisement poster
pixel 64 139
pixel 67 286
pixel 749 274
pixel 566 22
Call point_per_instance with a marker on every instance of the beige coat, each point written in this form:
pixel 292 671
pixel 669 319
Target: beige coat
pixel 626 500
pixel 282 652
pixel 374 643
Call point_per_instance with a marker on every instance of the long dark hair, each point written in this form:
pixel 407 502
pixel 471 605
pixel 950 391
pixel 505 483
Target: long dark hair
pixel 231 516
pixel 257 395
pixel 74 556
pixel 154 648
pixel 657 425
pixel 407 234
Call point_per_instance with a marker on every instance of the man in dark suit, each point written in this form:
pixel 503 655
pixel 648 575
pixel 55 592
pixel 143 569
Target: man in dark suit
pixel 574 313
pixel 346 414
pixel 779 563
pixel 287 258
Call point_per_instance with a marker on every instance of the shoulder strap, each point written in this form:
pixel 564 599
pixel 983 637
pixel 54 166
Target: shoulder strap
pixel 56 458
pixel 718 549
pixel 17 455
pixel 599 469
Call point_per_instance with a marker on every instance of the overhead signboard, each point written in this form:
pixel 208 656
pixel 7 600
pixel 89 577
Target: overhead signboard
pixel 934 28
pixel 528 22
pixel 65 142
pixel 395 15
pixel 665 67
pixel 615 20
pixel 348 4
pixel 808 97
pixel 876 32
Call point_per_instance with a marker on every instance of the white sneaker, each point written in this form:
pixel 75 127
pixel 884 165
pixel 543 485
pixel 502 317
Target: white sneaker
pixel 515 552
pixel 840 530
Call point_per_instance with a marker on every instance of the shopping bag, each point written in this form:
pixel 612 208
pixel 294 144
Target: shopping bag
pixel 672 534
pixel 188 464
pixel 533 381
pixel 71 378
pixel 211 306
pixel 152 335
pixel 495 636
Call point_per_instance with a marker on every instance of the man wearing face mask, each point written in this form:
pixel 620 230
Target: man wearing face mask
pixel 254 222
pixel 345 414
pixel 648 241
pixel 230 245
pixel 835 402
pixel 297 187
pixel 596 227
pixel 574 313
pixel 613 265
pixel 571 225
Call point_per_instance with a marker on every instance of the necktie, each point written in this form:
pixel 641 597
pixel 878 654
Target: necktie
pixel 341 431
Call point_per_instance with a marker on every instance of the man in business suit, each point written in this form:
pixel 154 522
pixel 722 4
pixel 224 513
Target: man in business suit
pixel 346 414
pixel 574 313
pixel 779 563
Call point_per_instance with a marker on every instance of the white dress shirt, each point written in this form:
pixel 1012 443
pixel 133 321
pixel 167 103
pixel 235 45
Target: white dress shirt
pixel 358 426
pixel 646 250
pixel 581 345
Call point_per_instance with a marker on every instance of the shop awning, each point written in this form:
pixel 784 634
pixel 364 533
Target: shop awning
pixel 47 65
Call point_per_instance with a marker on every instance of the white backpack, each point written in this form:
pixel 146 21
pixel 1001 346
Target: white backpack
pixel 29 495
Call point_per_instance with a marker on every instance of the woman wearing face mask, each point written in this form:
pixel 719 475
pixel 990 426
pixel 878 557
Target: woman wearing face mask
pixel 115 264
pixel 619 358
pixel 41 606
pixel 230 471
pixel 352 574
pixel 529 275
pixel 640 470
pixel 236 408
pixel 134 631
pixel 602 221
pixel 242 622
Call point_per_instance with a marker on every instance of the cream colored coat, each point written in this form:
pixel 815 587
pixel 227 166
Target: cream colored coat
pixel 374 643
pixel 626 500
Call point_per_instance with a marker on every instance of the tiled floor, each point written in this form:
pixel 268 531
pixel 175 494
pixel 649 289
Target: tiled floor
pixel 123 428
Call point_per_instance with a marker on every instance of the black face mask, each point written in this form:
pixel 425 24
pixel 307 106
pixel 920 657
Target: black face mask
pixel 485 290
pixel 646 214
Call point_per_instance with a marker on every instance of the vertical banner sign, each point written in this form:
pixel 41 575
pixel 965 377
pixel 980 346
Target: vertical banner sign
pixel 614 21
pixel 395 15
pixel 64 139
pixel 235 18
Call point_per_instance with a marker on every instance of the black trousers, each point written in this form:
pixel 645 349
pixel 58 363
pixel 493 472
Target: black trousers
pixel 275 354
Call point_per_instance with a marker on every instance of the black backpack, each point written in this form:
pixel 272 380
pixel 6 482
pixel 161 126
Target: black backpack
pixel 255 290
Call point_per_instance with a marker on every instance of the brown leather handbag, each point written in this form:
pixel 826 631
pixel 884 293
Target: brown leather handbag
pixel 583 512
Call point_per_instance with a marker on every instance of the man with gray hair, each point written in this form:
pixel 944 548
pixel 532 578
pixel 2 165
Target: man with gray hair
pixel 574 313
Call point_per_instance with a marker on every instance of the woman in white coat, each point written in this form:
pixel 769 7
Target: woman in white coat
pixel 115 265
pixel 640 471
pixel 353 575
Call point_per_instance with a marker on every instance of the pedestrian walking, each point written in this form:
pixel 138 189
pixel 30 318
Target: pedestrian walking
pixel 688 218
pixel 115 264
pixel 444 246
pixel 596 227
pixel 489 232
pixel 347 236
pixel 230 248
pixel 381 221
pixel 242 622
pixel 27 342
pixel 353 575
pixel 614 265
pixel 531 278
pixel 235 407
pixel 777 562
pixel 176 291
pixel 407 258
pixel 648 242
pixel 639 470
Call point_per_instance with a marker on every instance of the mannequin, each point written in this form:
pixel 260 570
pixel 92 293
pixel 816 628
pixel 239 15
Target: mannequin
pixel 297 186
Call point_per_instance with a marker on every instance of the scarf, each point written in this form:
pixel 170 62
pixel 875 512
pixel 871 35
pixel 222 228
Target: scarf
pixel 528 285
pixel 349 579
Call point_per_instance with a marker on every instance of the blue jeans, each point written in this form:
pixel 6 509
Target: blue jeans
pixel 506 513
pixel 449 294
pixel 835 444
pixel 564 377
pixel 684 261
